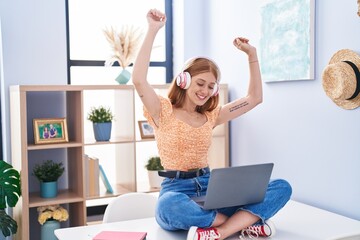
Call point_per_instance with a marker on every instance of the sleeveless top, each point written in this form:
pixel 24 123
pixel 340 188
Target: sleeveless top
pixel 181 146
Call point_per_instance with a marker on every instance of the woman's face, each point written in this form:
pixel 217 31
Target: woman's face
pixel 201 88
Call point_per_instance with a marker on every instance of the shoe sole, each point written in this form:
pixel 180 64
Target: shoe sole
pixel 272 227
pixel 191 233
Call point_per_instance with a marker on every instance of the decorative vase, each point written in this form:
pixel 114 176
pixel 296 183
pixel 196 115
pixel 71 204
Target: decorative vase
pixel 102 131
pixel 48 228
pixel 154 179
pixel 48 189
pixel 123 77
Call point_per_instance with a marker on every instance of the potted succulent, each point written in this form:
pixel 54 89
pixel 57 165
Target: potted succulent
pixel 48 173
pixel 153 166
pixel 101 118
pixel 10 192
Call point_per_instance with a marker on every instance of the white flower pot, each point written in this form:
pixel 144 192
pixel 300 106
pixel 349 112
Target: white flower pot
pixel 154 179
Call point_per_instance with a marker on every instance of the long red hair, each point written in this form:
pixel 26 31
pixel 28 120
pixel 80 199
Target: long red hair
pixel 195 66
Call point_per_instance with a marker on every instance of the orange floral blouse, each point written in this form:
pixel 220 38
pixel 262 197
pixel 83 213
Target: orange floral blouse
pixel 181 146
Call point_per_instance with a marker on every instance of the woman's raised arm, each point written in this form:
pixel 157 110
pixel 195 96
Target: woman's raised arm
pixel 254 95
pixel 156 20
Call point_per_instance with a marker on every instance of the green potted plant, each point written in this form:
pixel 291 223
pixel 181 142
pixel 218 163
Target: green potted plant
pixel 48 172
pixel 101 118
pixel 10 192
pixel 153 165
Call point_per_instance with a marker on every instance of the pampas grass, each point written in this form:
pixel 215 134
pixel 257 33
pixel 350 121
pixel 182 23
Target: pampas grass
pixel 124 44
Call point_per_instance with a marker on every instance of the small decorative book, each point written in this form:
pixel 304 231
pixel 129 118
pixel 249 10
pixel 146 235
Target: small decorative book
pixel 120 235
pixel 105 180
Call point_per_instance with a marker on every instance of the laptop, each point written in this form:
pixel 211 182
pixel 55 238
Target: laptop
pixel 235 186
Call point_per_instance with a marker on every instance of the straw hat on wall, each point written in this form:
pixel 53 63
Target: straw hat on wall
pixel 341 79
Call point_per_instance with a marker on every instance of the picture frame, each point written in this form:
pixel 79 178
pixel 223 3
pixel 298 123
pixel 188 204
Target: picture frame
pixel 146 130
pixel 287 52
pixel 50 130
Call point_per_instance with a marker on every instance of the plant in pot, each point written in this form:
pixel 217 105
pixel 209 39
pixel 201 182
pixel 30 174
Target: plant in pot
pixel 50 217
pixel 101 118
pixel 48 173
pixel 124 44
pixel 153 166
pixel 10 192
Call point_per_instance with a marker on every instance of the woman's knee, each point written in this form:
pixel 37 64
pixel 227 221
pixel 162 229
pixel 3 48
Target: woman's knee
pixel 169 201
pixel 177 211
pixel 168 209
pixel 283 186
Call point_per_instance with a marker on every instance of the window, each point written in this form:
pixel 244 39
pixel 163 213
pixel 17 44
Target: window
pixel 88 48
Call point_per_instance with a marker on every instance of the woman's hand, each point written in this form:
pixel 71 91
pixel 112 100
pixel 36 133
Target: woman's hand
pixel 156 19
pixel 243 44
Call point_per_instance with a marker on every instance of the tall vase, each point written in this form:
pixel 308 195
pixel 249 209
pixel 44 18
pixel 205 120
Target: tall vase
pixel 48 228
pixel 48 189
pixel 123 77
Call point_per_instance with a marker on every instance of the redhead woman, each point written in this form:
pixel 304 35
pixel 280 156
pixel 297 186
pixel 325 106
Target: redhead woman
pixel 183 123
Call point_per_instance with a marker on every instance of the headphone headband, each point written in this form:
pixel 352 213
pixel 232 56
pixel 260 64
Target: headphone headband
pixel 183 80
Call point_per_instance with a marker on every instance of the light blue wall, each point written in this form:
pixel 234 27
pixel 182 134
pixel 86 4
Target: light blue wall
pixel 34 48
pixel 313 143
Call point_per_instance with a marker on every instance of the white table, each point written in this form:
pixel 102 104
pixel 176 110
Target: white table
pixel 296 221
pixel 149 225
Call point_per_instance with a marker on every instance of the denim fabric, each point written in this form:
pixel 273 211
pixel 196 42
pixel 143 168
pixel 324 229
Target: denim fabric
pixel 175 210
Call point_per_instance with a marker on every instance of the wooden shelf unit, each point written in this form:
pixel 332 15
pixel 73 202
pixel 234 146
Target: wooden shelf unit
pixel 123 157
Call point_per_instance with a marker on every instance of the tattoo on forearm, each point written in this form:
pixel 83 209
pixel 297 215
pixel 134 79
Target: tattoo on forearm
pixel 243 104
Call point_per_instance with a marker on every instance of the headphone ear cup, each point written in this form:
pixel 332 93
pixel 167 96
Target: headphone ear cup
pixel 183 80
pixel 215 90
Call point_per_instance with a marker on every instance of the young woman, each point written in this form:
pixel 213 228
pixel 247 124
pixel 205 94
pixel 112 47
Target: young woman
pixel 183 125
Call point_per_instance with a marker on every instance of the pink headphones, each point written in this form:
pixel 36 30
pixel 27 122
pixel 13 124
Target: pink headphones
pixel 183 80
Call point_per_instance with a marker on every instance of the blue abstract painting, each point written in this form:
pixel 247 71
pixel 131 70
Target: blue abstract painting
pixel 287 40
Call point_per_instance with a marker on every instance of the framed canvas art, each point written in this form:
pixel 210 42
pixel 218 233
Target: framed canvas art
pixel 287 40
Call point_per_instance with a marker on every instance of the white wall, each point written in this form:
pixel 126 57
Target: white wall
pixel 313 143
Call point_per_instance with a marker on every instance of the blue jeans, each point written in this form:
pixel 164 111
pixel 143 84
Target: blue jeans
pixel 175 210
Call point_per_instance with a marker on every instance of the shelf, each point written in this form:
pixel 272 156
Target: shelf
pixel 145 187
pixel 145 140
pixel 54 146
pixel 64 196
pixel 90 142
pixel 123 157
pixel 118 190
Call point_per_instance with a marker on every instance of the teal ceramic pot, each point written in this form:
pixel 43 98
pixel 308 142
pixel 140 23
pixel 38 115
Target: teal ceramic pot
pixel 48 228
pixel 48 189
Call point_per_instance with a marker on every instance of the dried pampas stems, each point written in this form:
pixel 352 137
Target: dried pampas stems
pixel 124 44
